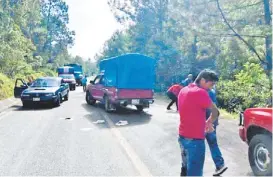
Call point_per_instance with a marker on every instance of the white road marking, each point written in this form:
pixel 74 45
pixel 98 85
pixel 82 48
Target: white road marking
pixel 139 165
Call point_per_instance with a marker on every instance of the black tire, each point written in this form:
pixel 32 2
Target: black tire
pixel 106 104
pixel 59 101
pixel 25 105
pixel 139 108
pixel 66 97
pixel 89 99
pixel 259 152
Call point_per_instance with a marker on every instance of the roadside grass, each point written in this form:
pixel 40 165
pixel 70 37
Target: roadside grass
pixel 227 115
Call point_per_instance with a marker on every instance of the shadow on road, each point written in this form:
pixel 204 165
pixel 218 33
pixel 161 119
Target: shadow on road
pixel 132 116
pixel 32 107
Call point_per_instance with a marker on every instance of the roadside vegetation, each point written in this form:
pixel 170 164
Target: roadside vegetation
pixel 232 37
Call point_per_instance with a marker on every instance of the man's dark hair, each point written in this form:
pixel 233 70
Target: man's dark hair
pixel 208 75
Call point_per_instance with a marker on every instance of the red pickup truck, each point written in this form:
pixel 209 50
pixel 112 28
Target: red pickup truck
pixel 256 130
pixel 124 80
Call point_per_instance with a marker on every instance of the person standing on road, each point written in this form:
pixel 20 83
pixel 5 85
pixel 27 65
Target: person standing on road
pixel 172 93
pixel 193 101
pixel 212 141
pixel 84 81
pixel 187 81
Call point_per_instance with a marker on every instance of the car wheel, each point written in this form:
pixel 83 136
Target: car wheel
pixel 58 102
pixel 260 155
pixel 66 96
pixel 25 105
pixel 89 99
pixel 139 108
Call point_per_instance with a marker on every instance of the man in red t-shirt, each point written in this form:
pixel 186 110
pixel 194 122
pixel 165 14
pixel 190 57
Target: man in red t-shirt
pixel 172 93
pixel 193 101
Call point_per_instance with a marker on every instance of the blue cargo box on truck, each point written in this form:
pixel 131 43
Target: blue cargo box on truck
pixel 65 70
pixel 78 72
pixel 130 71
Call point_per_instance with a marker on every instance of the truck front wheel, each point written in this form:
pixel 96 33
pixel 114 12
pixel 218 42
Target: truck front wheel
pixel 107 103
pixel 260 155
pixel 89 99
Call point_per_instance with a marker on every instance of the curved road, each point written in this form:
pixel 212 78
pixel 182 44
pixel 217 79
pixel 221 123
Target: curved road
pixel 65 141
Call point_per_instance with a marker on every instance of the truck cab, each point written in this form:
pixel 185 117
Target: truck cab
pixel 78 72
pixel 67 74
pixel 255 128
pixel 124 80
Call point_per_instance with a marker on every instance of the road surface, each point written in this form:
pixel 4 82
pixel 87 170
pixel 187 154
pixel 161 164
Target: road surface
pixel 65 141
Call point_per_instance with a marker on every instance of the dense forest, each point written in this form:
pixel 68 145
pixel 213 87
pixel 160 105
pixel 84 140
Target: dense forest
pixel 34 41
pixel 232 37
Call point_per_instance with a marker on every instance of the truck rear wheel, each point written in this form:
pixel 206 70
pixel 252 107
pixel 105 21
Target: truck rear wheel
pixel 139 108
pixel 260 155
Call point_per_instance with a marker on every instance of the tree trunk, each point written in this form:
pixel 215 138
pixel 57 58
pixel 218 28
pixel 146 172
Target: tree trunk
pixel 268 39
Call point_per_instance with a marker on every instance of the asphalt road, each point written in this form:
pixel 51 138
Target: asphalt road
pixel 65 141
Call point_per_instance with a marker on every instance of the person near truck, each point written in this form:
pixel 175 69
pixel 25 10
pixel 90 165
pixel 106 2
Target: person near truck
pixel 84 82
pixel 172 93
pixel 193 101
pixel 212 141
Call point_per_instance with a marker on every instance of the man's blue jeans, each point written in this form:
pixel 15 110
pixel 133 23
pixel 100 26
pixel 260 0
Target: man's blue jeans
pixel 214 149
pixel 193 155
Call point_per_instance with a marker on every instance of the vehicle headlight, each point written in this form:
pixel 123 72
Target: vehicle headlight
pixel 49 94
pixel 25 95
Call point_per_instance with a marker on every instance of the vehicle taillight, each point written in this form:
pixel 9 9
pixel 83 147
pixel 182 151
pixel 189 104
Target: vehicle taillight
pixel 116 93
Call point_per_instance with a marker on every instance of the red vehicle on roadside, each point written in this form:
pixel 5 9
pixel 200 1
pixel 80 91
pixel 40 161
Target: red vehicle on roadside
pixel 124 80
pixel 256 130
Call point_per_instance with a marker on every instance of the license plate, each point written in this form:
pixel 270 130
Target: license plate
pixel 135 102
pixel 36 99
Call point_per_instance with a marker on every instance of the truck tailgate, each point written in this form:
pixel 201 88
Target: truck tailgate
pixel 128 93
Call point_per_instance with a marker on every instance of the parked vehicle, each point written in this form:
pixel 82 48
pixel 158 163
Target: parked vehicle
pixel 125 80
pixel 70 79
pixel 67 73
pixel 256 130
pixel 78 72
pixel 50 90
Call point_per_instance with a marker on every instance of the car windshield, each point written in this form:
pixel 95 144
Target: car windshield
pixel 67 76
pixel 45 83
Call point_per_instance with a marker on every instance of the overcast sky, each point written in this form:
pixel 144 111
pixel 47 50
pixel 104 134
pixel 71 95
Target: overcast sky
pixel 93 23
